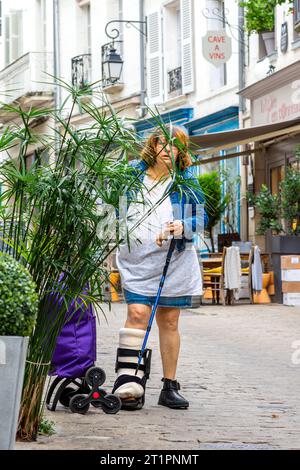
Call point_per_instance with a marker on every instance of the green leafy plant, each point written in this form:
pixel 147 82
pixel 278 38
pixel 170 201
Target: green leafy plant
pixel 18 298
pixel 268 206
pixel 231 184
pixel 260 14
pixel 46 427
pixel 290 199
pixel 215 204
pixel 276 208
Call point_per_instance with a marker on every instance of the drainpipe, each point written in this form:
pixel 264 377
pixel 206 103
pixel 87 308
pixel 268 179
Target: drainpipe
pixel 244 213
pixel 142 60
pixel 242 102
pixel 56 62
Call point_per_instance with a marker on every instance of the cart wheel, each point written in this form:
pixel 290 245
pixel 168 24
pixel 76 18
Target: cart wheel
pixel 66 396
pixel 111 404
pixel 98 403
pixel 95 376
pixel 76 404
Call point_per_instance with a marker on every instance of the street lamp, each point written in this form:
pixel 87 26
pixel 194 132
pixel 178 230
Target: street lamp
pixel 112 65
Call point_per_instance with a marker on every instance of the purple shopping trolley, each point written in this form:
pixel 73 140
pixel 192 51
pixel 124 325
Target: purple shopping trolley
pixel 77 382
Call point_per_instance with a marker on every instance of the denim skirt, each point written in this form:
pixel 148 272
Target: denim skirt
pixel 183 301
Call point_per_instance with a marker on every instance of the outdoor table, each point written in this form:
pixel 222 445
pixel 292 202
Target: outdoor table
pixel 211 262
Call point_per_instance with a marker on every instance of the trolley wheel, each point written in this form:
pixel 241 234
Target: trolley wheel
pixel 111 404
pixel 98 403
pixel 95 376
pixel 66 396
pixel 76 405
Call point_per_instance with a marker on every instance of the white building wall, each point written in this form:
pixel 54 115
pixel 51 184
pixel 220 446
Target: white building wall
pixel 205 98
pixel 257 68
pixel 209 99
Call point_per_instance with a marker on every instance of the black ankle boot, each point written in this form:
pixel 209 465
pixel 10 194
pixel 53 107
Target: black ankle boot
pixel 170 397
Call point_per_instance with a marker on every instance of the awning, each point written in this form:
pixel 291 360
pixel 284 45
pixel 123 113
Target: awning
pixel 212 143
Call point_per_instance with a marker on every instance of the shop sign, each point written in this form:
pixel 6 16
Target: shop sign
pixel 216 46
pixel 280 105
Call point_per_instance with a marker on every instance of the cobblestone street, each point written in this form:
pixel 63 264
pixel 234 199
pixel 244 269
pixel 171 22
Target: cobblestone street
pixel 238 368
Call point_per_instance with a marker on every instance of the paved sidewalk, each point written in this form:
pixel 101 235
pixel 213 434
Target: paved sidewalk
pixel 237 370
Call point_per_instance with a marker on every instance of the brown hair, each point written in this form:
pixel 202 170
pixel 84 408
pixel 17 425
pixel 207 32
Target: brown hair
pixel 175 135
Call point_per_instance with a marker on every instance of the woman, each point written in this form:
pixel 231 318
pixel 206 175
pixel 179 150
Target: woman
pixel 164 165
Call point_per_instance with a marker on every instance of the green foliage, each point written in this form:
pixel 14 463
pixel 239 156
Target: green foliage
pixel 290 199
pixel 268 206
pixel 285 206
pixel 18 298
pixel 231 184
pixel 260 14
pixel 46 427
pixel 214 203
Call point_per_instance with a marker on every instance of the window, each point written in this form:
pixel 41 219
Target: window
pixel 170 58
pixel 297 11
pixel 13 36
pixel 89 35
pixel 7 43
pixel 172 49
pixel 296 19
pixel 84 36
pixel 115 12
pixel 43 24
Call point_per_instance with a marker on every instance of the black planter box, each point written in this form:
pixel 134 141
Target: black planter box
pixel 278 245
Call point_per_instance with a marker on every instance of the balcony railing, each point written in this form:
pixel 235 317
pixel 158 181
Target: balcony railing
pixel 27 77
pixel 105 49
pixel 81 70
pixel 175 81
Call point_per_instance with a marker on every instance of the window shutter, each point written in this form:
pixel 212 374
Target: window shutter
pixel 0 18
pixel 297 10
pixel 7 40
pixel 154 68
pixel 16 34
pixel 187 46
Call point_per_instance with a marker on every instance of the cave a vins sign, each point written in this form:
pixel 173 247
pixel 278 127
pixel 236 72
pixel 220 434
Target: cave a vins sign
pixel 216 46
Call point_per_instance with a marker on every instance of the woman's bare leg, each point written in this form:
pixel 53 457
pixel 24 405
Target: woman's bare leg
pixel 169 339
pixel 137 316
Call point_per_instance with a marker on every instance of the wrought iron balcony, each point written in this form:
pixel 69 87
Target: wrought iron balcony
pixel 175 81
pixel 105 49
pixel 81 70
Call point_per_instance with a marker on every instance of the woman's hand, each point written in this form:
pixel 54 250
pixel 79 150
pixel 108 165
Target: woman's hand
pixel 175 228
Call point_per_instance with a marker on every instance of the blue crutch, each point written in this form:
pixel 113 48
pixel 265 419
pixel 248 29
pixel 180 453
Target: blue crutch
pixel 161 283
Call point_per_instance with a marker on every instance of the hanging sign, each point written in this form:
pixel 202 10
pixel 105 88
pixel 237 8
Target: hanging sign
pixel 216 46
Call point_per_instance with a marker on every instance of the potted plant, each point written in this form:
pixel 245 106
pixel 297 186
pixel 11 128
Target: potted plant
pixel 280 220
pixel 215 204
pixel 260 18
pixel 18 309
